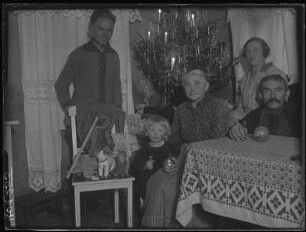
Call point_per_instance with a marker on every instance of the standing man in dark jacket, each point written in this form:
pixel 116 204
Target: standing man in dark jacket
pixel 94 71
pixel 93 68
pixel 274 112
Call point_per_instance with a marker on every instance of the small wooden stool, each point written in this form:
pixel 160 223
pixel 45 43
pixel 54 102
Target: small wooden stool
pixel 81 184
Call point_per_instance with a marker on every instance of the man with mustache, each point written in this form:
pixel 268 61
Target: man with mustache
pixel 274 112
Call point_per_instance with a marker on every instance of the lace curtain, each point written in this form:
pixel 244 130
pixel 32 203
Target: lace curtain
pixel 47 37
pixel 277 26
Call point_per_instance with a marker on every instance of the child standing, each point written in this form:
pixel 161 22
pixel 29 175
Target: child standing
pixel 150 157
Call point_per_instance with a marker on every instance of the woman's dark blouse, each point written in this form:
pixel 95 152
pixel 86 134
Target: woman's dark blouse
pixel 210 119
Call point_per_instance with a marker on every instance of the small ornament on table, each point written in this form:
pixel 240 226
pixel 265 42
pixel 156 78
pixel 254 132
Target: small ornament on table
pixel 261 133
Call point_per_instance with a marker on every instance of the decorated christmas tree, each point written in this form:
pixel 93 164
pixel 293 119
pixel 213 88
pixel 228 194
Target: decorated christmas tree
pixel 182 40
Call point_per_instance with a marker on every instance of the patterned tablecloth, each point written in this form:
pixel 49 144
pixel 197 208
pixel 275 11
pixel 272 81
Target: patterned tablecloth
pixel 247 180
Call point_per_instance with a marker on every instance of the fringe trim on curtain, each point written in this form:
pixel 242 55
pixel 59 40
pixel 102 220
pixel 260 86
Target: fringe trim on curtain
pixel 39 179
pixel 242 13
pixel 134 14
pixel 43 90
pixel 61 13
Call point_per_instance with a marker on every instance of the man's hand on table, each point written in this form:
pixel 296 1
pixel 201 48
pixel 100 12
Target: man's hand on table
pixel 238 132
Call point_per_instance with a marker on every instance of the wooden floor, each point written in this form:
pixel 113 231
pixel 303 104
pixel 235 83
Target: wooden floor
pixel 97 212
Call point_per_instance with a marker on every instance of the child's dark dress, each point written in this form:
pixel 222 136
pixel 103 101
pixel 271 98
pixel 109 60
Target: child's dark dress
pixel 142 175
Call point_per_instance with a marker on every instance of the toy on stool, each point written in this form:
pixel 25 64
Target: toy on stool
pixel 122 165
pixel 106 163
pixel 87 166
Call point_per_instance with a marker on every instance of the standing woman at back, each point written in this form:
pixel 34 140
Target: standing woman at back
pixel 255 52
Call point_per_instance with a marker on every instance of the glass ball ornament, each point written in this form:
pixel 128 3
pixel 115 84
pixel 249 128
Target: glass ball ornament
pixel 261 133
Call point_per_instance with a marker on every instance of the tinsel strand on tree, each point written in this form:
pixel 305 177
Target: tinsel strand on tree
pixel 180 41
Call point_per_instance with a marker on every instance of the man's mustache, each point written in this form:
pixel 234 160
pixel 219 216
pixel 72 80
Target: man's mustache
pixel 273 100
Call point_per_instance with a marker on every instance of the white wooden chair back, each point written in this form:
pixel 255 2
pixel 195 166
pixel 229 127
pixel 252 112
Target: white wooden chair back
pixel 72 114
pixel 122 140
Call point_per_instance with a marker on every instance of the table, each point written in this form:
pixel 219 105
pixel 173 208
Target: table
pixel 251 181
pixel 82 184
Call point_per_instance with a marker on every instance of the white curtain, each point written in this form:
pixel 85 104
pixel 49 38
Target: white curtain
pixel 121 43
pixel 47 37
pixel 277 26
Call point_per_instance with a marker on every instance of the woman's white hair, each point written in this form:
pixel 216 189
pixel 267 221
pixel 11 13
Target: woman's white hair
pixel 194 72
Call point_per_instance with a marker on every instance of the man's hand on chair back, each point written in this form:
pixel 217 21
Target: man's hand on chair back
pixel 67 121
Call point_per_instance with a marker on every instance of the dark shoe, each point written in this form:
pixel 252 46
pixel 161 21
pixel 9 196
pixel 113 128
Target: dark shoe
pixel 137 216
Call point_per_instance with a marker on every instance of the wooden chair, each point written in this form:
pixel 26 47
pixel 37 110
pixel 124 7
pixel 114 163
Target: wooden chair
pixel 82 184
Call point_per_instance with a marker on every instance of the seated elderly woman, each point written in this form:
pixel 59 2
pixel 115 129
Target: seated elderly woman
pixel 200 118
